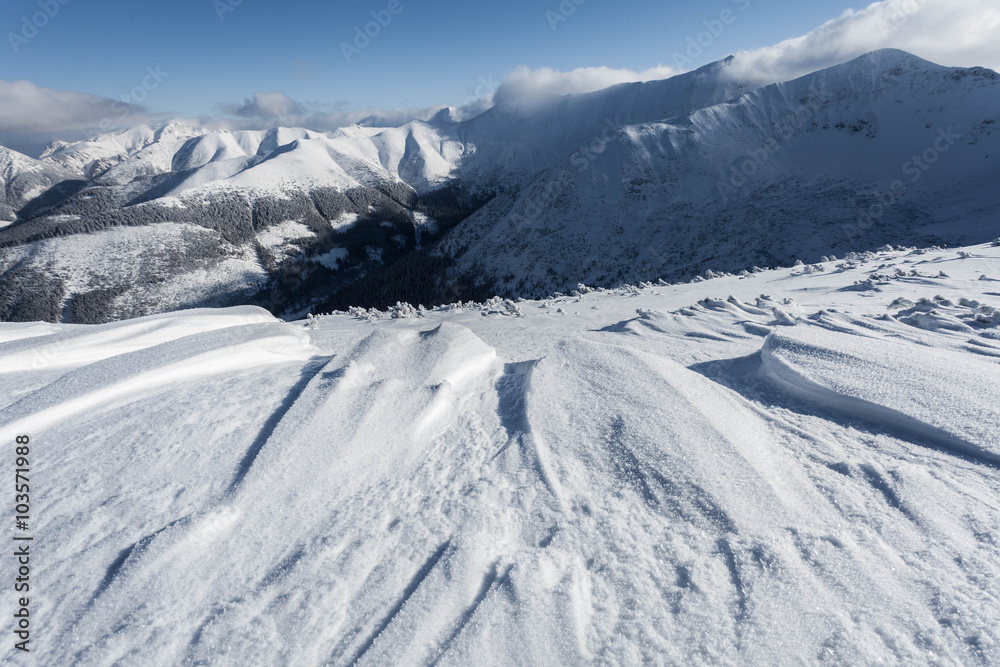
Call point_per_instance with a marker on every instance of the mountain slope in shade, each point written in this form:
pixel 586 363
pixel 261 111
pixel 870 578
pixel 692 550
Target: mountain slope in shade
pixel 23 179
pixel 745 470
pixel 826 164
pixel 518 138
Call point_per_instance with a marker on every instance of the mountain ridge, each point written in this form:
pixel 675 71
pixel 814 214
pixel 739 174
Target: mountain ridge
pixel 635 182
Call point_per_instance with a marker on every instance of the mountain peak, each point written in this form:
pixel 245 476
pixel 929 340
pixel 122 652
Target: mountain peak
pixel 889 58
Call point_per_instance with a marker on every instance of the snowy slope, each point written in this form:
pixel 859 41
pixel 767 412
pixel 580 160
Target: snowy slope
pixel 826 164
pixel 23 179
pixel 92 157
pixel 517 137
pixel 797 465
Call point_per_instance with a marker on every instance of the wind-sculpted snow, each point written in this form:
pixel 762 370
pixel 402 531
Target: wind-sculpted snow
pixel 68 347
pixel 769 469
pixel 944 396
pixel 131 374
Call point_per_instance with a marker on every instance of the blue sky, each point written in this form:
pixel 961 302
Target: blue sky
pixel 64 76
pixel 430 53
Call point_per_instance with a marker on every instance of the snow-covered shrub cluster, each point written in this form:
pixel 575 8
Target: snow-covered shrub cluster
pixel 403 311
pixel 370 314
pixel 500 306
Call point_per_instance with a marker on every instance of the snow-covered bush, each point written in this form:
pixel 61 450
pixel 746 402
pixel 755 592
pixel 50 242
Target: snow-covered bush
pixel 403 311
pixel 369 314
pixel 500 306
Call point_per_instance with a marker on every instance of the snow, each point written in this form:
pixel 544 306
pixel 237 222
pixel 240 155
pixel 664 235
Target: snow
pixel 145 259
pixel 781 467
pixel 113 148
pixel 946 396
pixel 332 259
pixel 344 222
pixel 68 347
pixel 779 172
pixel 284 233
pixel 423 223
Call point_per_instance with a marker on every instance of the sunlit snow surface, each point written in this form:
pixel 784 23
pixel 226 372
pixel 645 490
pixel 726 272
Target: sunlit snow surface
pixel 797 466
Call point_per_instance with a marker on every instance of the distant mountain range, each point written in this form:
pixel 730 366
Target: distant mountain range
pixel 665 179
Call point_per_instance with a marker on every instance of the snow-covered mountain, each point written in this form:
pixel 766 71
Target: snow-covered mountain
pixel 886 148
pixel 668 179
pixel 23 179
pixel 798 466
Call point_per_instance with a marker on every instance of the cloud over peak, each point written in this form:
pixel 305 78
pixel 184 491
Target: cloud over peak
pixel 953 33
pixel 31 115
pixel 265 105
pixel 527 83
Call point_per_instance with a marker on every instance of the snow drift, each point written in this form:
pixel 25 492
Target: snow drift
pixel 795 472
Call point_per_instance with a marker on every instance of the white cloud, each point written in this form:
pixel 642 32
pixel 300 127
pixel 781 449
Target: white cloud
pixel 526 83
pixel 954 33
pixel 266 105
pixel 25 107
pixel 31 116
pixel 279 109
pixel 523 83
pixel 265 110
